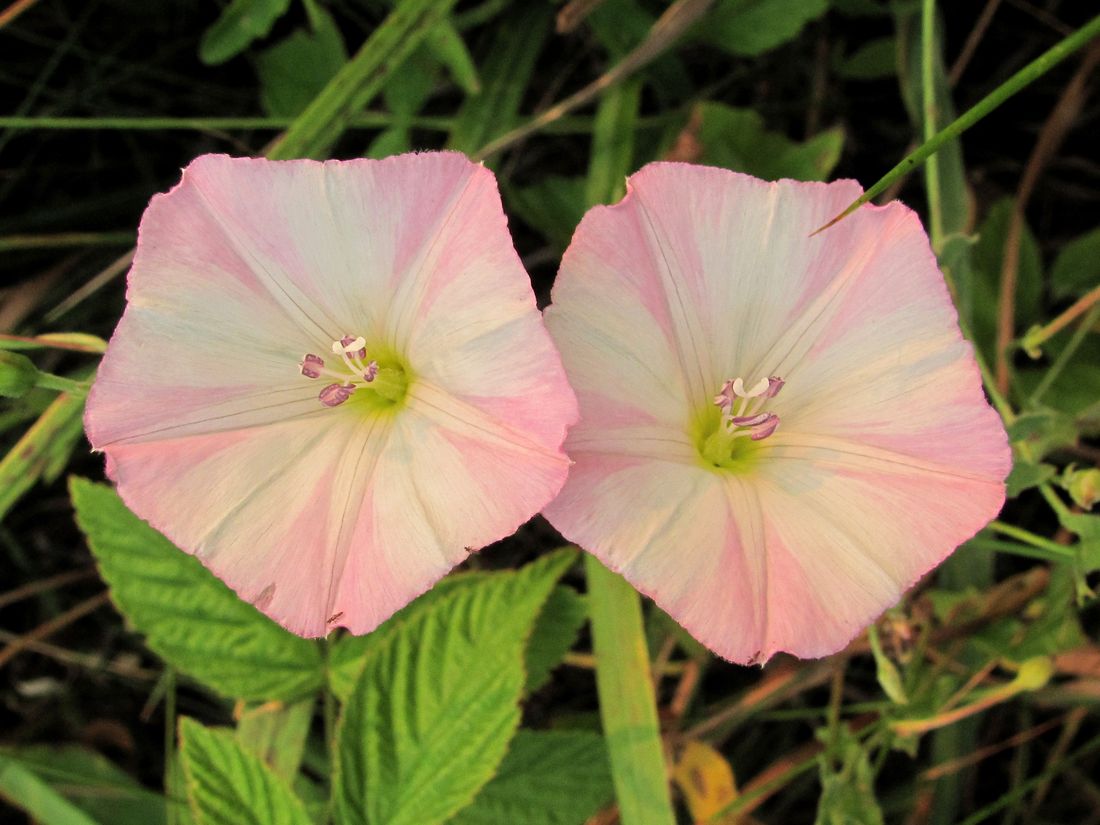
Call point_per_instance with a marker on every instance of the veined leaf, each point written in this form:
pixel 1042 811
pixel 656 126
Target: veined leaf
pixel 241 22
pixel 295 70
pixel 555 631
pixel 547 778
pixel 192 620
pixel 227 785
pixel 437 703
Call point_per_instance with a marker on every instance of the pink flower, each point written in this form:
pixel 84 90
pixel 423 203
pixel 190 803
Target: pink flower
pixel 331 380
pixel 779 433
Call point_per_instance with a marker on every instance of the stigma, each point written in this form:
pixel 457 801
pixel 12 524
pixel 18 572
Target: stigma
pixel 743 413
pixel 350 370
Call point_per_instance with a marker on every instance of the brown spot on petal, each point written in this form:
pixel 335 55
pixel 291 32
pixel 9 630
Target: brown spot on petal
pixel 265 597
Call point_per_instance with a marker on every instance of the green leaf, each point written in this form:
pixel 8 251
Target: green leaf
pixel 18 374
pixel 189 618
pixel 437 703
pixel 446 45
pixel 241 22
pixel 987 259
pixel 24 789
pixel 294 71
pixel 87 780
pixel 505 77
pixel 1044 431
pixel 547 778
pixel 621 26
pixel 1051 625
pixel 1076 270
pixel 360 80
pixel 555 633
pixel 889 678
pixel 847 793
pixel 871 61
pixel 751 27
pixel 1026 475
pixel 227 785
pixel 613 143
pixel 737 139
pixel 277 733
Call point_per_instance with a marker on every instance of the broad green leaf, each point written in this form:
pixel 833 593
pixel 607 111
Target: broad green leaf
pixel 349 653
pixel 737 139
pixel 555 633
pixel 847 792
pixel 189 618
pixel 505 77
pixel 1050 625
pixel 295 70
pixel 227 785
pixel 751 27
pixel 1076 270
pixel 89 781
pixel 23 788
pixel 613 143
pixel 437 703
pixel 277 733
pixel 871 61
pixel 554 206
pixel 547 778
pixel 241 22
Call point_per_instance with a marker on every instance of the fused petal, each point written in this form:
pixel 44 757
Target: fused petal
pixel 887 456
pixel 290 392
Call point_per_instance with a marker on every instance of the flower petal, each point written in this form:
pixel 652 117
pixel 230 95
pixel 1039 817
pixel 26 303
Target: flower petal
pixel 326 516
pixel 888 455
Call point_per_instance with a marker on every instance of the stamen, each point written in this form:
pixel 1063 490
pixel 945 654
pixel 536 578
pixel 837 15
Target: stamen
pixel 748 420
pixel 348 344
pixel 775 384
pixel 762 431
pixel 312 365
pixel 724 399
pixel 335 394
pixel 370 372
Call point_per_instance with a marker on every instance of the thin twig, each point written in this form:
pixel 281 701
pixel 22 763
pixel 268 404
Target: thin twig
pixel 55 624
pixel 972 41
pixel 14 10
pixel 42 585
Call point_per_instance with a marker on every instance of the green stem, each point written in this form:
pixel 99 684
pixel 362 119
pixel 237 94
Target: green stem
pixel 1026 536
pixel 1032 71
pixel 10 242
pixel 627 702
pixel 928 94
pixel 1065 355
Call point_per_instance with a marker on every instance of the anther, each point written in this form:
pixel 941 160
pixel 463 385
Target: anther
pixel 312 365
pixel 335 394
pixel 371 372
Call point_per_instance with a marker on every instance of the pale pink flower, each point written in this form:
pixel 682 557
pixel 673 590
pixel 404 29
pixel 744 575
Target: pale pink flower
pixel 779 433
pixel 331 381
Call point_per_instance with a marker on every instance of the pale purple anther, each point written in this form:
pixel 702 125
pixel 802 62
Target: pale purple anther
pixel 336 394
pixel 371 372
pixel 312 365
pixel 749 420
pixel 350 339
pixel 762 431
pixel 724 399
pixel 775 384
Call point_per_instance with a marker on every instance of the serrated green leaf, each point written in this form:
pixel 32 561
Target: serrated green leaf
pixel 437 703
pixel 295 70
pixel 227 785
pixel 751 27
pixel 736 139
pixel 277 733
pixel 547 778
pixel 241 22
pixel 189 618
pixel 555 633
pixel 90 782
pixel 1077 267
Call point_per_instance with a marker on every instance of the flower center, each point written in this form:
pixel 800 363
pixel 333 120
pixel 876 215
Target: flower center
pixel 375 382
pixel 726 438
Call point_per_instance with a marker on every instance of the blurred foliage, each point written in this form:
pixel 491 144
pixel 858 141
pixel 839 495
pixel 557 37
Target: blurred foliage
pixel 973 700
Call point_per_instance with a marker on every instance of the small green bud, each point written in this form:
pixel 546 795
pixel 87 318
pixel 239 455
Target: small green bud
pixel 1083 486
pixel 17 374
